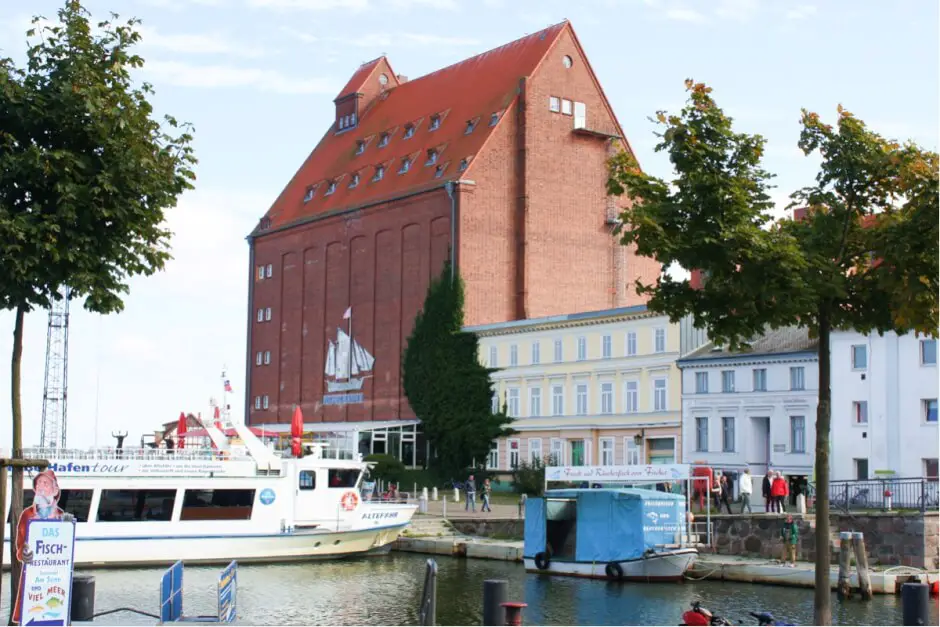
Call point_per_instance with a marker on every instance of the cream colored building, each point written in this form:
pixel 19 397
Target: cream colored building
pixel 593 388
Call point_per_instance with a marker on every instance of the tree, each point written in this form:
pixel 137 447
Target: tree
pixel 447 386
pixel 85 177
pixel 864 256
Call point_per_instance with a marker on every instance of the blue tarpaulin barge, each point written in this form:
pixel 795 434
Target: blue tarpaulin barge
pixel 620 534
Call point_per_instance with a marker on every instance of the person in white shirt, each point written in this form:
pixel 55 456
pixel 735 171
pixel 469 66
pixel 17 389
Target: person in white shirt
pixel 744 483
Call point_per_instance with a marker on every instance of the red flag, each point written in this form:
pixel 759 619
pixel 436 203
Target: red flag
pixel 181 431
pixel 296 432
pixel 218 421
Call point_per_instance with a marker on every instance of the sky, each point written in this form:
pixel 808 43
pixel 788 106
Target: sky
pixel 257 79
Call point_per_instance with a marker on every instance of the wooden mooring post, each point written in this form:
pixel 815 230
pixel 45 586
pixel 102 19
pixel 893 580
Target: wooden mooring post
pixel 861 565
pixel 844 588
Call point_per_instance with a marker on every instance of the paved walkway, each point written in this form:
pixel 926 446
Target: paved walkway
pixel 456 510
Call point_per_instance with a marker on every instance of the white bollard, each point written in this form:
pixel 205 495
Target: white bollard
pixel 423 504
pixel 433 494
pixel 801 503
pixel 424 493
pixel 456 495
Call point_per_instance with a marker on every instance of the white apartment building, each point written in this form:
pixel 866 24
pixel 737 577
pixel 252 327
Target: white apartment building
pixel 753 409
pixel 884 405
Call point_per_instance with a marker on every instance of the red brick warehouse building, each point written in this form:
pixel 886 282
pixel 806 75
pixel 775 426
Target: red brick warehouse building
pixel 503 154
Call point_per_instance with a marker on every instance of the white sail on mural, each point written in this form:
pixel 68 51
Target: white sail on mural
pixel 347 362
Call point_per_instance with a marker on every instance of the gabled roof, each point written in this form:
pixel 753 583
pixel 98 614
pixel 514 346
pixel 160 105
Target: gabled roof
pixel 782 341
pixel 472 89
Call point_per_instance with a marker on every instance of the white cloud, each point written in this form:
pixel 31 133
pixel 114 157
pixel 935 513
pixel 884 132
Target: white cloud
pixel 299 34
pixel 205 43
pixel 210 76
pixel 409 40
pixel 801 12
pixel 311 5
pixel 445 5
pixel 738 10
pixel 684 15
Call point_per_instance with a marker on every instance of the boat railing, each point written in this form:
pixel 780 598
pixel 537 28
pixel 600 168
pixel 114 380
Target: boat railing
pixel 133 454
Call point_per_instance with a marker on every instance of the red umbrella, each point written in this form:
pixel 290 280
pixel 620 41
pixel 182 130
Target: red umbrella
pixel 296 432
pixel 181 430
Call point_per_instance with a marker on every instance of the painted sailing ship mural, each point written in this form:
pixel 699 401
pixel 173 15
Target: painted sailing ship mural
pixel 348 364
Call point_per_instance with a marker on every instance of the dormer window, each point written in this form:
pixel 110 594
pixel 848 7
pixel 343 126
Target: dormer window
pixel 383 140
pixel 409 131
pixel 308 195
pixel 341 123
pixel 330 188
pixel 463 164
pixel 471 124
pixel 494 119
pixel 438 171
pixel 379 173
pixel 435 123
pixel 352 119
pixel 360 147
pixel 432 157
pixel 354 180
pixel 405 165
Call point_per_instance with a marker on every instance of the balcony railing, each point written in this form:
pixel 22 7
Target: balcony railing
pixel 915 493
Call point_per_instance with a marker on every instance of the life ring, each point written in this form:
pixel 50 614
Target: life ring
pixel 349 501
pixel 542 561
pixel 614 570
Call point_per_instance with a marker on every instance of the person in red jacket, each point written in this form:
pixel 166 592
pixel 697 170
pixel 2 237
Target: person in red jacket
pixel 779 491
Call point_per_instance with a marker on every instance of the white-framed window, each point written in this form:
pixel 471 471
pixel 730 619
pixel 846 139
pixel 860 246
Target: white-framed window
pixel 354 180
pixel 631 397
pixel 659 340
pixel 860 412
pixel 492 460
pixel 760 379
pixel 330 188
pixel 565 106
pixel 930 410
pixel 261 314
pixel 607 451
pixel 607 397
pixel 257 402
pixel 267 314
pixel 409 131
pixel 582 348
pixel 432 157
pixel 631 343
pixel 558 400
pixel 264 401
pixel 360 147
pixel 258 358
pixel 494 353
pixel 701 434
pixel 268 271
pixel 557 453
pixel 701 383
pixel 535 450
pixel 405 165
pixel 267 357
pixel 631 452
pixel 261 269
pixel 554 104
pixel 928 352
pixel 536 357
pixel 513 355
pixel 582 399
pixel 535 401
pixel 797 378
pixel 606 347
pixel 727 434
pixel 797 434
pixel 495 402
pixel 513 402
pixel 559 351
pixel 514 451
pixel 660 395
pixel 859 357
pixel 727 381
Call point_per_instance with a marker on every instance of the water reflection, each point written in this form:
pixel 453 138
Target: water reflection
pixel 386 591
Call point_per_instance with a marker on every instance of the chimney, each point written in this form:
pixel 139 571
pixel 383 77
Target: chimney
pixel 401 78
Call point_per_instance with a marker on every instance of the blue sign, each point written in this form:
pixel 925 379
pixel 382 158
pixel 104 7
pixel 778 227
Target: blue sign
pixel 343 399
pixel 46 586
pixel 228 581
pixel 171 594
pixel 267 496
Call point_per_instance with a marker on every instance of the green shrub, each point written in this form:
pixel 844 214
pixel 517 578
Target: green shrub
pixel 386 468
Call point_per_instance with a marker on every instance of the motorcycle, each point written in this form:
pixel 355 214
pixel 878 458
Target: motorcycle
pixel 699 615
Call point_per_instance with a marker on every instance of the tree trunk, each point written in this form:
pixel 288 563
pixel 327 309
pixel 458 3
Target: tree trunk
pixel 4 476
pixel 822 613
pixel 16 492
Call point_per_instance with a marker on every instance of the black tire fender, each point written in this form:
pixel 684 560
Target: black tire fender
pixel 614 570
pixel 542 561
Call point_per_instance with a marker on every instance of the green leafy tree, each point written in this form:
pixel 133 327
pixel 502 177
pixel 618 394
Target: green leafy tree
pixel 86 174
pixel 447 386
pixel 864 257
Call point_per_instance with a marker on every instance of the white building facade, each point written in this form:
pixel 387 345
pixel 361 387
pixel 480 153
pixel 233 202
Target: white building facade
pixel 754 409
pixel 884 405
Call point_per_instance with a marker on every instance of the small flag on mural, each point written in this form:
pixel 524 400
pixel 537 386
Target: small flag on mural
pixel 348 314
pixel 228 386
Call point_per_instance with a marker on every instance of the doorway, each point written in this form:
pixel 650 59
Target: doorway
pixel 759 451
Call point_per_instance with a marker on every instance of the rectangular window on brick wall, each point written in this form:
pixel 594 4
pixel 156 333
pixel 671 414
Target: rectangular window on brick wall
pixel 554 104
pixel 258 358
pixel 267 357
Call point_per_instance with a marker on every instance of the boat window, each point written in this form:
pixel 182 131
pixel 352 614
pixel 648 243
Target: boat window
pixel 132 505
pixel 75 502
pixel 307 480
pixel 217 504
pixel 343 478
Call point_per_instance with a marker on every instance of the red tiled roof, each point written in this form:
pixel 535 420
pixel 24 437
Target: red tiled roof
pixel 472 89
pixel 359 78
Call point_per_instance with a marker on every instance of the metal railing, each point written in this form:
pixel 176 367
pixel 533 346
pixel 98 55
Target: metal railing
pixel 131 454
pixel 888 493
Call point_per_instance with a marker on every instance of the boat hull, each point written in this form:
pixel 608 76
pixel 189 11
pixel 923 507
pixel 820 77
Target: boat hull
pixel 663 566
pixel 221 549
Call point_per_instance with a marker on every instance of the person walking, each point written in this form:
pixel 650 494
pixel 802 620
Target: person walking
pixel 791 537
pixel 778 491
pixel 487 491
pixel 471 489
pixel 725 493
pixel 765 491
pixel 744 483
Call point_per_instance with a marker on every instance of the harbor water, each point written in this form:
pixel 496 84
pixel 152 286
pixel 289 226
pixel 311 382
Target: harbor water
pixel 386 591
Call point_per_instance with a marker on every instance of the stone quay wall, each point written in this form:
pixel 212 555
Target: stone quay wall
pixel 892 539
pixel 502 528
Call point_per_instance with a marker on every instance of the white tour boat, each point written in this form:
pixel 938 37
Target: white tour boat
pixel 236 501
